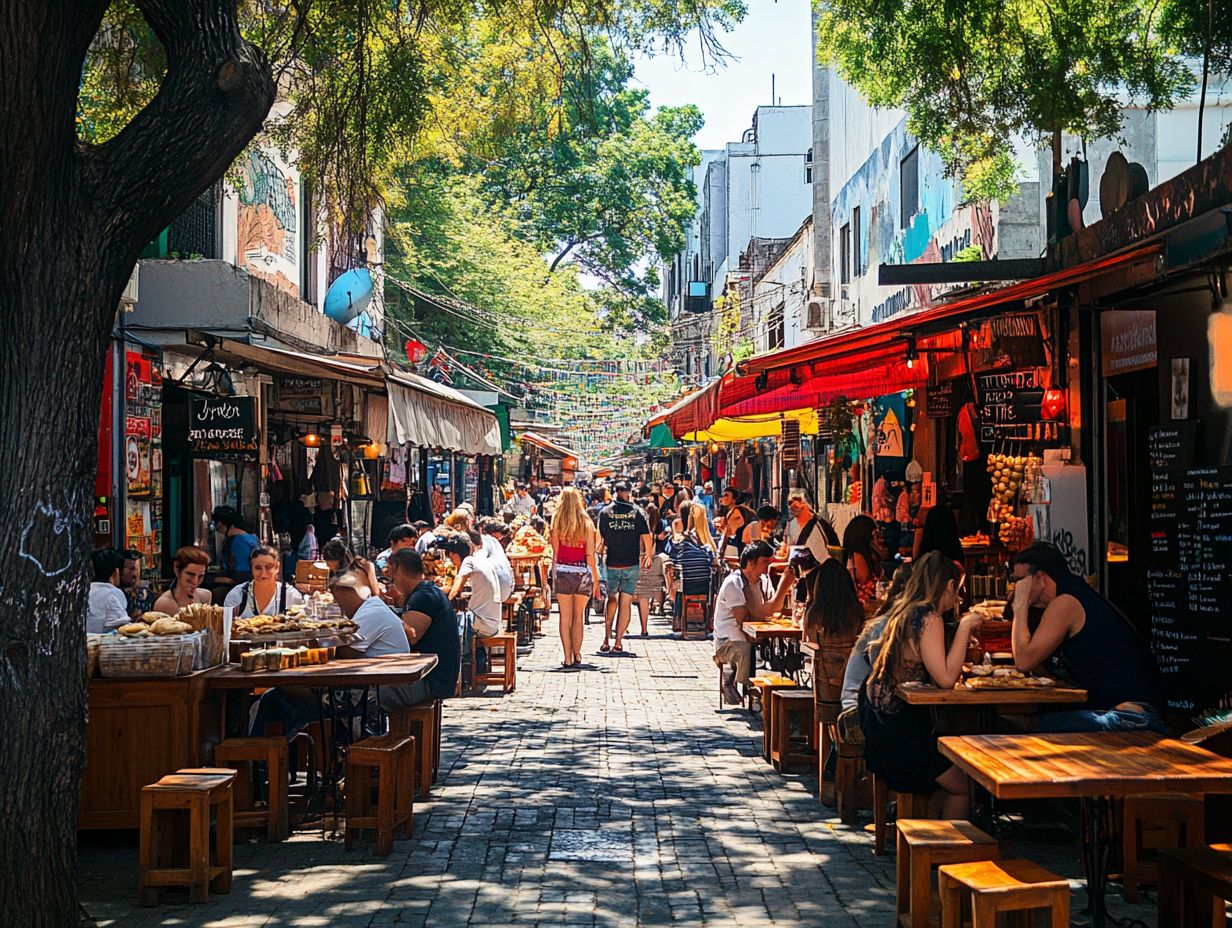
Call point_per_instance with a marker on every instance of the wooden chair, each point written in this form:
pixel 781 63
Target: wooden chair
pixel 422 723
pixel 392 759
pixel 196 793
pixel 502 651
pixel 1194 883
pixel 764 686
pixel 1153 822
pixel 923 844
pixel 829 667
pixel 788 750
pixel 240 755
pixel 995 886
pixel 909 805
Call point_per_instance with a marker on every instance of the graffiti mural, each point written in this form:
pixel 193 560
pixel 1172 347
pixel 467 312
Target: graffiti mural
pixel 268 220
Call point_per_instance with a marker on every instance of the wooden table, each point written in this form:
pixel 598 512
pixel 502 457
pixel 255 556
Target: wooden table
pixel 1095 768
pixel 923 694
pixel 386 670
pixel 780 645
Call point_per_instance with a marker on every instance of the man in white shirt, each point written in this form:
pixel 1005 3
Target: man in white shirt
pixel 523 504
pixel 806 529
pixel 478 570
pixel 493 531
pixel 744 597
pixel 108 607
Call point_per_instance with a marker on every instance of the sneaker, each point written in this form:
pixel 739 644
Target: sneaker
pixel 731 696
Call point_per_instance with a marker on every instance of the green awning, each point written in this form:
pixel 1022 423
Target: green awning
pixel 661 437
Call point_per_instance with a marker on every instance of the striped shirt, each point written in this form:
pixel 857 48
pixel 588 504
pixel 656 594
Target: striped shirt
pixel 693 562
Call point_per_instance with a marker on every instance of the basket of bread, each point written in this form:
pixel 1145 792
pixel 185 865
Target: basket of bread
pixel 149 655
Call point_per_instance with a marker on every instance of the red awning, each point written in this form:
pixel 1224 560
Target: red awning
pixel 694 412
pixel 862 343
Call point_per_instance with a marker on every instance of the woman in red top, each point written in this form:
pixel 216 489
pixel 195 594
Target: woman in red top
pixel 572 538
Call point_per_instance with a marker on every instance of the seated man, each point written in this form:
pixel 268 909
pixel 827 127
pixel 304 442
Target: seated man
pixel 430 624
pixel 108 607
pixel 494 532
pixel 743 597
pixel 400 536
pixel 1103 653
pixel 479 571
pixel 380 632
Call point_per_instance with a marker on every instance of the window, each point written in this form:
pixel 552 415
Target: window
pixel 776 330
pixel 857 266
pixel 909 187
pixel 808 166
pixel 844 254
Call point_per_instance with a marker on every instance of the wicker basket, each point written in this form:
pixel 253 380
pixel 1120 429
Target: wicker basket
pixel 168 656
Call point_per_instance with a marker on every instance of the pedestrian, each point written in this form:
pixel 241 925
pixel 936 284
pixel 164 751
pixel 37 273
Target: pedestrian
pixel 523 504
pixel 628 546
pixel 573 540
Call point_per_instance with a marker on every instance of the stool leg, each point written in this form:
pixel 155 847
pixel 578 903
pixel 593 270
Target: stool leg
pixel 356 792
pixel 406 791
pixel 1131 836
pixel 827 789
pixel 902 879
pixel 224 822
pixel 1060 910
pixel 199 849
pixel 147 895
pixel 881 797
pixel 951 902
pixel 387 784
pixel 983 912
pixel 279 826
pixel 423 756
pixel 921 897
pixel 511 668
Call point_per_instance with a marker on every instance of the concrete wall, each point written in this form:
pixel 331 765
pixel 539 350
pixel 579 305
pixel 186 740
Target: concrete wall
pixel 786 281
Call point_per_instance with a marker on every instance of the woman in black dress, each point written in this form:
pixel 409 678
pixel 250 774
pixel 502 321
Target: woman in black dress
pixel 900 744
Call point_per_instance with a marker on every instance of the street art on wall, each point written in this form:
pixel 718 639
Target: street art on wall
pixel 268 220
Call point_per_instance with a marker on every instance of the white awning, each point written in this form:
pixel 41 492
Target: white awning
pixel 425 413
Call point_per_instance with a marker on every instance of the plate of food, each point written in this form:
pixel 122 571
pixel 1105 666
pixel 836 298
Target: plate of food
pixel 984 677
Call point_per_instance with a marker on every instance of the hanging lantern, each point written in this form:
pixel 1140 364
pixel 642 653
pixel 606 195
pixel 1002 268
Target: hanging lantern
pixel 416 350
pixel 1053 405
pixel 311 440
pixel 372 450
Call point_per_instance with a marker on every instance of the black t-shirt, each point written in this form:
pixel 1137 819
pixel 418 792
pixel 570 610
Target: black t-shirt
pixel 440 639
pixel 621 526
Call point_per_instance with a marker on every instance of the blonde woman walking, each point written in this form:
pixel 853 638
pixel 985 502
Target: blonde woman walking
pixel 573 539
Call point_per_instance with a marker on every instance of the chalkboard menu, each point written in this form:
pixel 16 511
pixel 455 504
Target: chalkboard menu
pixel 941 399
pixel 1189 583
pixel 1172 446
pixel 1009 405
pixel 223 428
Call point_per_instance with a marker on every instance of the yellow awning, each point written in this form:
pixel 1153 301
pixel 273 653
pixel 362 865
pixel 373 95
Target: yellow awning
pixel 749 427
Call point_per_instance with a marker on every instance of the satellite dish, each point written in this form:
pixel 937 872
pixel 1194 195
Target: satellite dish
pixel 349 295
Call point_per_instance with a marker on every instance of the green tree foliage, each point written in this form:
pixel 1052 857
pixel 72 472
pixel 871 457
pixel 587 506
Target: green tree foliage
pixel 975 74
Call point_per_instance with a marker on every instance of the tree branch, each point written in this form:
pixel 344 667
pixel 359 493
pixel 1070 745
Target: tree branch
pixel 217 92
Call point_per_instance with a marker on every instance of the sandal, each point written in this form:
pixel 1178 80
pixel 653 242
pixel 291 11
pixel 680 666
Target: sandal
pixel 618 650
pixel 605 648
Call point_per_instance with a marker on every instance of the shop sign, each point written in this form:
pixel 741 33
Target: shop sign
pixel 223 428
pixel 1128 341
pixel 305 395
pixel 1010 340
pixel 1009 405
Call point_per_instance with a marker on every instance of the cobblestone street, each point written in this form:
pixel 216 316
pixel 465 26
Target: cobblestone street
pixel 618 795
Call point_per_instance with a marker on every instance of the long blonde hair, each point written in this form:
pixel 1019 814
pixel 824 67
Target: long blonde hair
pixel 571 523
pixel 930 577
pixel 699 524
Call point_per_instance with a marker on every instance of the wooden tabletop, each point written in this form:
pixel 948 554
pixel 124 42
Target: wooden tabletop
pixel 923 694
pixel 761 631
pixel 387 670
pixel 1108 764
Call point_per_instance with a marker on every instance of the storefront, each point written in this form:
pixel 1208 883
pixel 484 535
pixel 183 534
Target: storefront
pixel 546 460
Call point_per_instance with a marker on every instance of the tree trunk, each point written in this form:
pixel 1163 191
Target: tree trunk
pixel 75 219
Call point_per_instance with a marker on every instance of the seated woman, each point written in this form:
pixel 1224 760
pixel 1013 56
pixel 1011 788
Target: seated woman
pixel 339 558
pixel 863 553
pixel 264 594
pixel 189 565
pixel 900 743
pixel 834 614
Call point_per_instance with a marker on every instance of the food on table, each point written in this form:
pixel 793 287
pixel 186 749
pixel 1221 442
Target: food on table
pixel 135 630
pixel 170 626
pixel 977 540
pixel 289 623
pixel 527 543
pixel 155 623
pixel 1007 679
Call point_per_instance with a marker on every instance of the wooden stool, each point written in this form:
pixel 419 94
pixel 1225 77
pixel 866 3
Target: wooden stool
pixel 1153 822
pixel 827 734
pixel 422 723
pixel 503 674
pixel 694 612
pixel 1001 886
pixel 765 686
pixel 1193 885
pixel 239 754
pixel 786 750
pixel 925 843
pixel 195 792
pixel 392 757
pixel 910 805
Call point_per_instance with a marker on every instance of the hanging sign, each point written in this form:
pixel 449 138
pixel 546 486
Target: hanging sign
pixel 1010 340
pixel 304 395
pixel 939 400
pixel 1128 341
pixel 223 428
pixel 1009 404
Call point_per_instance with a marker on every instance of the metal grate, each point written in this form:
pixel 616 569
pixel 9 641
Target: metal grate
pixel 195 232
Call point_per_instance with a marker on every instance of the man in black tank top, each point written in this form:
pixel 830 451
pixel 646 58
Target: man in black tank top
pixel 1103 653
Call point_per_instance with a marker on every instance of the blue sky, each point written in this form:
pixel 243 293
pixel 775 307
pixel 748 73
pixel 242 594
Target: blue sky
pixel 773 39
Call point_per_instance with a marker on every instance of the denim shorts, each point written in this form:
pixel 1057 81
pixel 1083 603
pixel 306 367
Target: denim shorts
pixel 623 580
pixel 1094 720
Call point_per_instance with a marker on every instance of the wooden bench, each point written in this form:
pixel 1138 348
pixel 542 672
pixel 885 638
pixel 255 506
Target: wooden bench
pixel 924 844
pixel 786 750
pixel 392 759
pixel 1154 822
pixel 193 793
pixel 423 723
pixel 502 651
pixel 995 886
pixel 240 755
pixel 1193 885
pixel 908 805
